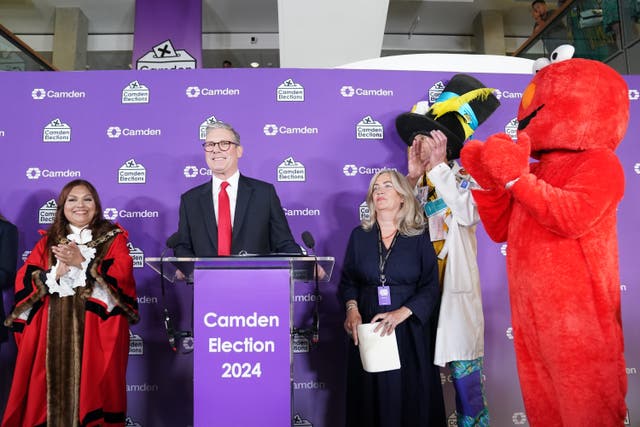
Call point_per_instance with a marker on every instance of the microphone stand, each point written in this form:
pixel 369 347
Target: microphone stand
pixel 173 335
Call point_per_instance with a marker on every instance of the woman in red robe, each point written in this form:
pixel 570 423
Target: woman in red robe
pixel 74 300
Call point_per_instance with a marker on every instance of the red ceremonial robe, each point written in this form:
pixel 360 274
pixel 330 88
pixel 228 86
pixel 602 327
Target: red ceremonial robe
pixel 72 351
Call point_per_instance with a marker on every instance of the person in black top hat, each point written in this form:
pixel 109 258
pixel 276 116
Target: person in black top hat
pixel 435 136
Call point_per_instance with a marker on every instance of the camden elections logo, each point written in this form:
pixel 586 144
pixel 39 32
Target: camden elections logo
pixel 136 344
pixel 368 128
pixel 47 212
pixel 364 212
pixel 135 93
pixel 34 173
pixel 136 254
pixel 129 422
pixel 636 168
pixel 289 91
pixel 56 131
pixel 634 94
pixel 435 91
pixel 165 57
pixel 39 94
pixel 299 421
pixel 300 344
pixel 203 126
pixel 290 170
pixel 511 128
pixel 132 173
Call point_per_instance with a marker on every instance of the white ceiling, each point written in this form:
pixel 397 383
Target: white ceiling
pixel 442 19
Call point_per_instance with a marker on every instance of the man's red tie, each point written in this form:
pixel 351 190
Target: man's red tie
pixel 224 221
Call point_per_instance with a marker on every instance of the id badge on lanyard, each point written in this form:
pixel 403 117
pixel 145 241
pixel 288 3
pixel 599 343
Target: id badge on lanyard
pixel 384 293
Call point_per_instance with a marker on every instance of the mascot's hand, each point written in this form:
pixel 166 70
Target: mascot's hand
pixel 471 158
pixel 504 160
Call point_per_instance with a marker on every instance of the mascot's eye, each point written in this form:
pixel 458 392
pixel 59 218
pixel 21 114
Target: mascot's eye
pixel 562 53
pixel 539 64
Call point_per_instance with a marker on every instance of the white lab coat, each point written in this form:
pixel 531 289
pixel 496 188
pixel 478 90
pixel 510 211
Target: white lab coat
pixel 460 334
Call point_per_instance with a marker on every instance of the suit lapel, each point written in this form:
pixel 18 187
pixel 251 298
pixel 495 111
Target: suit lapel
pixel 245 192
pixel 206 206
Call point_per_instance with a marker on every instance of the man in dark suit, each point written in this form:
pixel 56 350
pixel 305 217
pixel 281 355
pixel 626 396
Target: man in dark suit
pixel 8 262
pixel 259 224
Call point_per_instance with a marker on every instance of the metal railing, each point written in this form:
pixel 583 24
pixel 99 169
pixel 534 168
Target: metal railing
pixel 598 29
pixel 15 55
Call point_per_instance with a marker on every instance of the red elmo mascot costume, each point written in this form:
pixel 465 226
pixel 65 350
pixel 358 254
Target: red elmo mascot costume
pixel 558 216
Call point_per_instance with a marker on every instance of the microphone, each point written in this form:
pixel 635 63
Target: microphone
pixel 171 332
pixel 307 239
pixel 173 240
pixel 309 242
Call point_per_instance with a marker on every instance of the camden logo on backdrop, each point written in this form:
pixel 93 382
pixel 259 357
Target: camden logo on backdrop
pixel 136 344
pixel 519 418
pixel 164 56
pixel 290 91
pixel 363 211
pixel 368 128
pixel 194 171
pixel 350 91
pixel 25 255
pixel 117 132
pixel 40 93
pixel 56 131
pixel 132 172
pixel 137 255
pixel 135 93
pixel 112 214
pixel 634 94
pixel 203 126
pixel 47 212
pixel 2 133
pixel 301 211
pixel 511 128
pixel 273 130
pixel 505 94
pixel 34 173
pixel 353 170
pixel 290 170
pixel 195 91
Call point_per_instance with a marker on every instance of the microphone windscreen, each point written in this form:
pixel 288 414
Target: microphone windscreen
pixel 307 238
pixel 172 241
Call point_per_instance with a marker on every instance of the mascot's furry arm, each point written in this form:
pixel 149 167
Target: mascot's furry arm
pixel 568 210
pixel 494 202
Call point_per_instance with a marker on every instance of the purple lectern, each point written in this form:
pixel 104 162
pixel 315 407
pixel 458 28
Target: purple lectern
pixel 243 321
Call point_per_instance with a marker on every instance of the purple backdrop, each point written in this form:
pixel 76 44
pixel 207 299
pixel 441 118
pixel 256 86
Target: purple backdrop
pixel 318 135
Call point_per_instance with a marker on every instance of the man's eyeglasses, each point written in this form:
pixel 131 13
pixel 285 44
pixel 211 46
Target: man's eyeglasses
pixel 209 146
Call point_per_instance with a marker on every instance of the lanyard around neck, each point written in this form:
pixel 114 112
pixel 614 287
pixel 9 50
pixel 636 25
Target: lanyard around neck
pixel 382 261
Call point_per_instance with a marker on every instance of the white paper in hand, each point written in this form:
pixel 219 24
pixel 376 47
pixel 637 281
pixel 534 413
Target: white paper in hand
pixel 378 354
